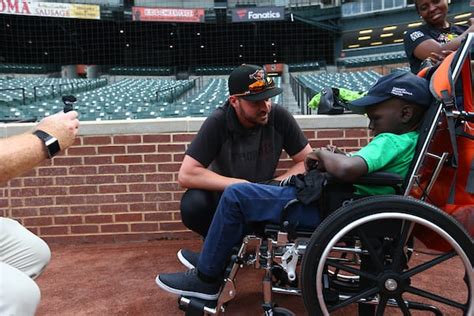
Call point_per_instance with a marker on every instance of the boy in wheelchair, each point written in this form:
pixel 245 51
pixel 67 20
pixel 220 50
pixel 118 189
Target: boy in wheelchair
pixel 394 105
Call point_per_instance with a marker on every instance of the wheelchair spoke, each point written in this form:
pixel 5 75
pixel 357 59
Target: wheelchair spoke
pixel 397 259
pixel 436 298
pixel 354 299
pixel 373 254
pixel 381 306
pixel 427 265
pixel 351 270
pixel 403 306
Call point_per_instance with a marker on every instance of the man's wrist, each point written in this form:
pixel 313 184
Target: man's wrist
pixel 50 142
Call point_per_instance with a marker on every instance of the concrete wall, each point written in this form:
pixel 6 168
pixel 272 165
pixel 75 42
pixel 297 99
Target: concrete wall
pixel 118 182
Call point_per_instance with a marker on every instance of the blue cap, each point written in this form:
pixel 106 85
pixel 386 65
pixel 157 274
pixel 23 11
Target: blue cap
pixel 402 85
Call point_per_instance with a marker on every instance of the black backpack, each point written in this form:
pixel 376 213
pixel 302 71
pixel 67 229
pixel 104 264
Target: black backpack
pixel 331 103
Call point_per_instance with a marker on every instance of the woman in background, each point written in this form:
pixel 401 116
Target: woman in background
pixel 437 37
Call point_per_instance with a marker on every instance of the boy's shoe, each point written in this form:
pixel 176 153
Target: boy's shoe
pixel 188 258
pixel 188 284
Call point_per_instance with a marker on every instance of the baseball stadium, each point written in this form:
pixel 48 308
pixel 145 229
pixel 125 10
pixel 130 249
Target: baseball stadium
pixel 164 92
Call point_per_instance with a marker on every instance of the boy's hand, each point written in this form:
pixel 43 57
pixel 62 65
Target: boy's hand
pixel 335 150
pixel 311 161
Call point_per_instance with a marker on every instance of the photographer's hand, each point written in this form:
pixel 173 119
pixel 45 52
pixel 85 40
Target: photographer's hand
pixel 63 126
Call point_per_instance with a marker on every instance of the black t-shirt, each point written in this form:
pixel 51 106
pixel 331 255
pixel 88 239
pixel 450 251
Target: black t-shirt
pixel 425 32
pixel 229 149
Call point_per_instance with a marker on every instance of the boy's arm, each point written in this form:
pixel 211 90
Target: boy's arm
pixel 342 167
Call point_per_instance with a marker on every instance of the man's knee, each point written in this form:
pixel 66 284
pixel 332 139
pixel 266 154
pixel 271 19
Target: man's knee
pixel 42 255
pixel 197 209
pixel 22 249
pixel 20 295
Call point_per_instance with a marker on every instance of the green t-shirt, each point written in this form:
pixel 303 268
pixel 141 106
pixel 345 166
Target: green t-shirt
pixel 390 153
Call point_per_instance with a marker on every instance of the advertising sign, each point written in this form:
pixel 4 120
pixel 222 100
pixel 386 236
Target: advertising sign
pixel 168 14
pixel 275 69
pixel 50 9
pixel 258 14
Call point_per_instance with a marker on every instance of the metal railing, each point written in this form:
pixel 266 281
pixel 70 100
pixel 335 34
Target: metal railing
pixel 302 94
pixel 22 92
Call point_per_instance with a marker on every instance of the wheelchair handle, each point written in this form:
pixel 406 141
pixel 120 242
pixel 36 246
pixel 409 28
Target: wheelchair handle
pixel 466 116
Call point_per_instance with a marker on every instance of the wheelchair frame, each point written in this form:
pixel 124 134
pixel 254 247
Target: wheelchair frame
pixel 384 276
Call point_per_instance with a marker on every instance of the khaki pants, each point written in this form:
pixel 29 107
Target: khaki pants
pixel 23 256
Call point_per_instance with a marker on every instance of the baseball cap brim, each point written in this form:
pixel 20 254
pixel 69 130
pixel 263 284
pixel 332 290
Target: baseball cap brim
pixel 359 105
pixel 266 94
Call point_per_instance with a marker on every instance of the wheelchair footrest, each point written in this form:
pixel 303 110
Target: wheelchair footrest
pixel 195 306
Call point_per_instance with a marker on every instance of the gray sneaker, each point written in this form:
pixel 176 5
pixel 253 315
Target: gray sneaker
pixel 188 258
pixel 188 284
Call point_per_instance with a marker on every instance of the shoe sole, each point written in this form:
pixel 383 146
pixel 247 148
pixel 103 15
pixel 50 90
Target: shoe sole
pixel 208 297
pixel 185 262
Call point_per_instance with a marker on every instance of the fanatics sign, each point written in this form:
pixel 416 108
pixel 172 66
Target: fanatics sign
pixel 258 14
pixel 167 14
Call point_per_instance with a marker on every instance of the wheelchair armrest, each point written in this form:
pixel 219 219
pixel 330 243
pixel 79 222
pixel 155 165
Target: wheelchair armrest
pixel 380 178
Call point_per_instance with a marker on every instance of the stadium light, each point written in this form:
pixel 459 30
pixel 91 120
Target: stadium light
pixel 461 22
pixel 389 28
pixel 414 24
pixel 462 16
pixel 386 35
pixel 353 46
pixel 365 31
pixel 363 38
pixel 398 40
pixel 375 43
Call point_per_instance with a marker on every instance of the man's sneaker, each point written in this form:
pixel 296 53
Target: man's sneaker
pixel 188 284
pixel 188 258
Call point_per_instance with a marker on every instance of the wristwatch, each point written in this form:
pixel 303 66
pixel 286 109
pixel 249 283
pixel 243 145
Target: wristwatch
pixel 51 142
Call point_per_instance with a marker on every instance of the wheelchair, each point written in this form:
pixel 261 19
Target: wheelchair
pixel 379 253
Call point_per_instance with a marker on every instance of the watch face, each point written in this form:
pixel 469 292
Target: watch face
pixel 50 140
pixel 53 146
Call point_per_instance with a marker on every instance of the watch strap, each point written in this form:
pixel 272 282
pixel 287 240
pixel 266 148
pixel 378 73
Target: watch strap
pixel 51 143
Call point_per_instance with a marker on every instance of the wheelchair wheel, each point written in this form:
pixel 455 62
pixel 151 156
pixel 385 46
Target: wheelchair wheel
pixel 380 228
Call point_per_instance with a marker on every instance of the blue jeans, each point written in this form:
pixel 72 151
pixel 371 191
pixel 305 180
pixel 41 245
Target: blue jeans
pixel 239 205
